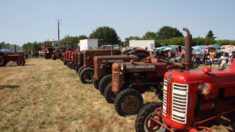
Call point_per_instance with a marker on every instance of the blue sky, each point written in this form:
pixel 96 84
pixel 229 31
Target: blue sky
pixel 24 21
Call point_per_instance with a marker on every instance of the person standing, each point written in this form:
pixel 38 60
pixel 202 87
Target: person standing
pixel 224 60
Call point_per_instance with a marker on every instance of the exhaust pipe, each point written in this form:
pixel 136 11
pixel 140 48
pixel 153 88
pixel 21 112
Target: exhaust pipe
pixel 188 49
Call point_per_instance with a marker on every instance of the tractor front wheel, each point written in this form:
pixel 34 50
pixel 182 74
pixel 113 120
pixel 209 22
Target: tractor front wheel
pixel 145 120
pixel 104 81
pixel 79 70
pixel 128 102
pixel 3 61
pixel 96 83
pixel 108 94
pixel 75 67
pixel 20 62
pixel 86 75
pixel 65 62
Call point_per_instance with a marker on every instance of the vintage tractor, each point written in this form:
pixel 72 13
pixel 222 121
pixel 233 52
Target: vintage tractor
pixel 131 79
pixel 191 98
pixel 86 71
pixel 103 69
pixel 103 65
pixel 68 57
pixel 57 53
pixel 72 60
pixel 18 57
pixel 48 51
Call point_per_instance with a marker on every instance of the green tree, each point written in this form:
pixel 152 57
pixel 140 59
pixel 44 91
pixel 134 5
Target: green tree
pixel 2 44
pixel 224 42
pixel 210 35
pixel 32 46
pixel 82 37
pixel 72 41
pixel 198 41
pixel 105 35
pixel 168 32
pixel 150 36
pixel 69 41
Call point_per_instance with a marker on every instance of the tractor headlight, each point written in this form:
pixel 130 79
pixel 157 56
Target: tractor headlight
pixel 204 88
pixel 122 67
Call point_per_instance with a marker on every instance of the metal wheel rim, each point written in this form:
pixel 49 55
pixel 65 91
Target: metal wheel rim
pixel 88 76
pixel 149 124
pixel 129 104
pixel 1 60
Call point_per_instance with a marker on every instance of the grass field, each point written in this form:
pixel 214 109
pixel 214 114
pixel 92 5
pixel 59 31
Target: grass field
pixel 45 95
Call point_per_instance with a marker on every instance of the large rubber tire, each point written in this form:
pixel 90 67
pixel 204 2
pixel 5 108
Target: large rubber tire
pixel 20 62
pixel 96 83
pixel 108 94
pixel 86 75
pixel 65 62
pixel 104 81
pixel 70 65
pixel 79 70
pixel 53 57
pixel 75 67
pixel 3 61
pixel 143 122
pixel 128 102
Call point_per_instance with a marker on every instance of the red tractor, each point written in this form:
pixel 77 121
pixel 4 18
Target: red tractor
pixel 58 53
pixel 131 79
pixel 103 66
pixel 86 71
pixel 18 57
pixel 191 98
pixel 68 57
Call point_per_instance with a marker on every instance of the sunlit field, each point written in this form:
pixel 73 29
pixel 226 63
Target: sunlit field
pixel 45 95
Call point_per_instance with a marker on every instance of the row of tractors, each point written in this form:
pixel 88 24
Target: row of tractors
pixel 190 97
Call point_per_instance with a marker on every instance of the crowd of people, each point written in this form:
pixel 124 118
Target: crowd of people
pixel 209 56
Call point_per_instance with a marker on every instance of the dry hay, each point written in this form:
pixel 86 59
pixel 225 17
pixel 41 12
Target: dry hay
pixel 45 95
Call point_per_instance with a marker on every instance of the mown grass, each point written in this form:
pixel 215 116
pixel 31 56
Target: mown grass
pixel 45 95
pixel 50 97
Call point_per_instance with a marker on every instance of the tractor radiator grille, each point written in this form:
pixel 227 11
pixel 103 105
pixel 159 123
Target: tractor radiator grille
pixel 79 59
pixel 116 78
pixel 164 98
pixel 179 102
pixel 96 68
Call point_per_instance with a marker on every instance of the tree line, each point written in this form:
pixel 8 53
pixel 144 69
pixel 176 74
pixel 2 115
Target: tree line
pixel 172 36
pixel 5 45
pixel 166 35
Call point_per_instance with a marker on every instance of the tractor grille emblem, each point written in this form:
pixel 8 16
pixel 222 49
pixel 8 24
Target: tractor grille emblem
pixel 169 79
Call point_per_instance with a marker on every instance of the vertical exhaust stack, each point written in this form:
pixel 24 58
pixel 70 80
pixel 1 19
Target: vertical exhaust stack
pixel 188 49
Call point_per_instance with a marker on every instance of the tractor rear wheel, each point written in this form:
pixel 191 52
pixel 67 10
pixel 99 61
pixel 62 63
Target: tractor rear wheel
pixel 108 94
pixel 86 75
pixel 53 57
pixel 79 70
pixel 75 67
pixel 128 102
pixel 104 81
pixel 65 62
pixel 20 61
pixel 3 61
pixel 96 83
pixel 144 121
